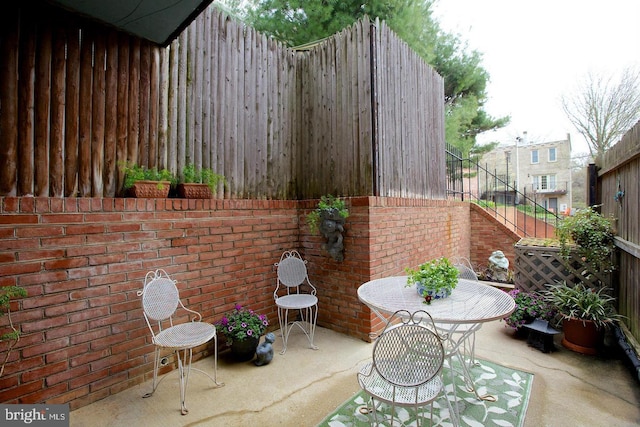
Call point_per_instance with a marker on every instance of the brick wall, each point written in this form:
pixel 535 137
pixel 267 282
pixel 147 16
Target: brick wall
pixel 384 235
pixel 488 235
pixel 82 262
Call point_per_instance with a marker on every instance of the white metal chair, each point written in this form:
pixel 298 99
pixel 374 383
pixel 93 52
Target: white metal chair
pixel 160 303
pixel 294 292
pixel 406 369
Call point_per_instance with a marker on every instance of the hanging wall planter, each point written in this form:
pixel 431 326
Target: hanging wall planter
pixel 328 219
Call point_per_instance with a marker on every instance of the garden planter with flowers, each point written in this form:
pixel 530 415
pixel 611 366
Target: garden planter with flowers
pixel 243 328
pixel 529 307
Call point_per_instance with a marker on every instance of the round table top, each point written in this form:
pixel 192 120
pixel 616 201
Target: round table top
pixel 469 302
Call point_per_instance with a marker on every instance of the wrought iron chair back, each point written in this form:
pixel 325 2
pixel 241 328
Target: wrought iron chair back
pixel 160 303
pixel 295 293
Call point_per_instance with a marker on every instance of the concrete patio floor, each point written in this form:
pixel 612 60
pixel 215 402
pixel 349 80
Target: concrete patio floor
pixel 303 386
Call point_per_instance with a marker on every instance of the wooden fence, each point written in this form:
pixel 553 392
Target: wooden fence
pixel 359 114
pixel 619 171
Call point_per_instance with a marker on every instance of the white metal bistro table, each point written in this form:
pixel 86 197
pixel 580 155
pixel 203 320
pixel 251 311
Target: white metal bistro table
pixel 470 303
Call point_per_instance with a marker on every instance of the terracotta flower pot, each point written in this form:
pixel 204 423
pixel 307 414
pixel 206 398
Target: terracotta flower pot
pixel 150 189
pixel 582 336
pixel 194 191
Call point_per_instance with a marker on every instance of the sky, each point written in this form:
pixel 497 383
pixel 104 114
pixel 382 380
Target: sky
pixel 537 50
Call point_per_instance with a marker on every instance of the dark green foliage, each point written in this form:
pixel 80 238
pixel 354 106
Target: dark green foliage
pixel 202 176
pixel 436 275
pixel 326 203
pixel 593 236
pixel 134 173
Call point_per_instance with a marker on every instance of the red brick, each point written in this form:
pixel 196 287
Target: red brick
pixel 66 353
pixel 44 371
pixel 69 375
pixel 46 347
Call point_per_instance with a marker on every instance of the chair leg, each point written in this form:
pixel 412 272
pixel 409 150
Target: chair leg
pixel 156 362
pixel 184 369
pixel 307 323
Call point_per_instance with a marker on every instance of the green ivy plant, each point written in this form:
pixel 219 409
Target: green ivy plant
pixel 436 275
pixel 592 235
pixel 326 203
pixel 13 335
pixel 134 173
pixel 190 174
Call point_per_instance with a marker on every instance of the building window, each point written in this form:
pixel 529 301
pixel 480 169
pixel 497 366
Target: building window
pixel 544 182
pixel 552 154
pixel 534 157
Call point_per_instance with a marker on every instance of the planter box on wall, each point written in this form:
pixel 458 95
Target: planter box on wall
pixel 194 191
pixel 150 189
pixel 538 263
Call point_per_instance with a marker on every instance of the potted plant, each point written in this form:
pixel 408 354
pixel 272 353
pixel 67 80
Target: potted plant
pixel 140 181
pixel 591 235
pixel 586 313
pixel 242 328
pixel 433 279
pixel 328 218
pixel 198 183
pixel 529 307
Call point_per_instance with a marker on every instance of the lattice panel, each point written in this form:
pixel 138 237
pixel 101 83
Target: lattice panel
pixel 537 266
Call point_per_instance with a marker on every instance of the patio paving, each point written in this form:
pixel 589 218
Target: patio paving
pixel 303 386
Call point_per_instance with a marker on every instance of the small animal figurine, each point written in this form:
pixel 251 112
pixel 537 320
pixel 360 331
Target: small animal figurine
pixel 264 352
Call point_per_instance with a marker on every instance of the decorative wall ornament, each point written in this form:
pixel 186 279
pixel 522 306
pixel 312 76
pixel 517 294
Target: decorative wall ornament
pixel 328 219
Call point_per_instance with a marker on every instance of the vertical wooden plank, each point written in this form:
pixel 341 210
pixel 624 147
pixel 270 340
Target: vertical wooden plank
pixel 207 97
pixel 220 52
pixel 198 88
pixel 154 107
pixel 144 155
pixel 133 122
pixel 248 116
pixel 163 113
pixel 56 149
pixel 26 106
pixel 84 122
pixel 97 117
pixel 122 112
pixel 43 109
pixel 9 43
pixel 111 117
pixel 182 101
pixel 174 88
pixel 72 104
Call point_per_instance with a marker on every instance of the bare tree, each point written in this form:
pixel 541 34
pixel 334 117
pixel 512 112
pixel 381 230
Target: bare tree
pixel 603 109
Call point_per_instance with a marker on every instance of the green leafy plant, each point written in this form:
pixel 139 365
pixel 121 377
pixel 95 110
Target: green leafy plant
pixel 326 203
pixel 13 335
pixel 593 237
pixel 437 276
pixel 241 324
pixel 134 173
pixel 581 302
pixel 201 176
pixel 529 306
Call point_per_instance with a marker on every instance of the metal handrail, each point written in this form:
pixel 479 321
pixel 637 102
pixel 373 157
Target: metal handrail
pixel 461 169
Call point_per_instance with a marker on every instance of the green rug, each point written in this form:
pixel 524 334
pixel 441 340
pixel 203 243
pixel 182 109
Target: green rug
pixel 512 389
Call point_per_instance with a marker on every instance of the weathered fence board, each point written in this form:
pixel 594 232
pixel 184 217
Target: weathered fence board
pixel 341 118
pixel 620 171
